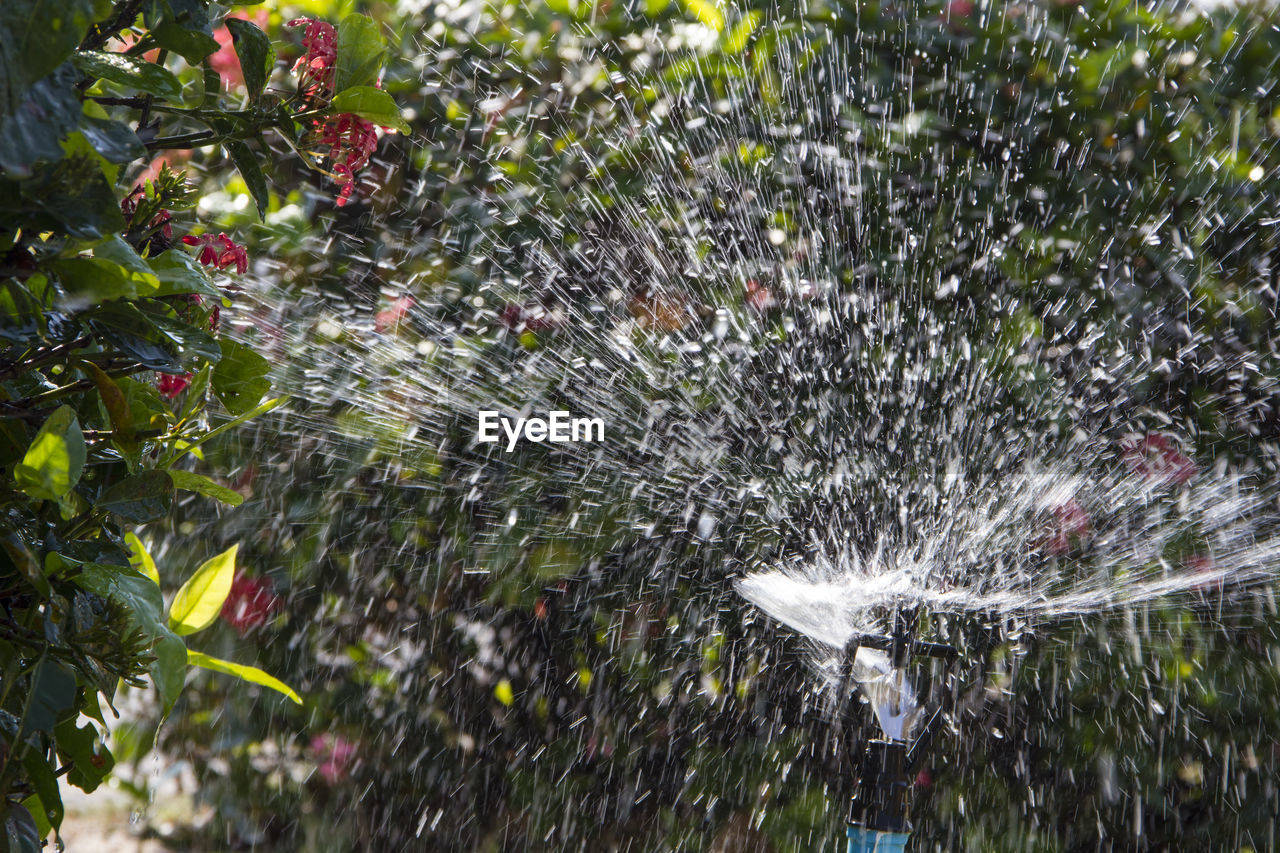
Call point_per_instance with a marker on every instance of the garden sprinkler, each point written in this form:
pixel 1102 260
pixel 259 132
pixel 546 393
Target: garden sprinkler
pixel 880 811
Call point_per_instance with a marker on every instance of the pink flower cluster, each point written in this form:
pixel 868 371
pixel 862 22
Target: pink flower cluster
pixel 315 69
pixel 334 755
pixel 351 141
pixel 219 252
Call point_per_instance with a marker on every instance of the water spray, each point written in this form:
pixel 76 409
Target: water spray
pixel 879 813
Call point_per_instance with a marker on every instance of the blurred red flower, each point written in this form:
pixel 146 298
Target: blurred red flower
pixel 388 319
pixel 171 386
pixel 249 604
pixel 1155 458
pixel 1069 521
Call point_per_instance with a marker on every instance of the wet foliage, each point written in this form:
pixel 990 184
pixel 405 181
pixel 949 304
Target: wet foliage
pixel 841 280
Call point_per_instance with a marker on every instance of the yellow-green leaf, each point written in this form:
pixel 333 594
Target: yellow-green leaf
pixel 202 485
pixel 251 674
pixel 200 599
pixel 140 559
pixel 55 460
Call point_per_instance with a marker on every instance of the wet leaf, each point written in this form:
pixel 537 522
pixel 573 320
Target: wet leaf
pixel 197 604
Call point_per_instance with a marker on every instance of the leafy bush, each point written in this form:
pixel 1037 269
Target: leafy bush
pixel 113 371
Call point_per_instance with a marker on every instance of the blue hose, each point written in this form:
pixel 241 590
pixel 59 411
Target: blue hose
pixel 872 841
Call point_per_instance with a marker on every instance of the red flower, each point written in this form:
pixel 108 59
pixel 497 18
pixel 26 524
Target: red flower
pixel 351 141
pixel 249 603
pixel 1069 521
pixel 335 754
pixel 171 386
pixel 389 318
pixel 219 252
pixel 316 67
pixel 759 298
pixel 521 318
pixel 1157 460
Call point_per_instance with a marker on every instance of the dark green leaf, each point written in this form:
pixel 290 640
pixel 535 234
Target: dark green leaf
pixel 53 693
pixel 131 72
pixel 138 594
pixel 169 669
pixel 114 140
pixel 247 163
pixel 361 52
pixel 45 784
pixel 240 378
pixel 181 26
pixel 372 105
pixel 21 834
pixel 33 132
pixel 141 497
pixel 88 756
pixel 134 334
pixel 255 52
pixel 36 36
pixel 75 197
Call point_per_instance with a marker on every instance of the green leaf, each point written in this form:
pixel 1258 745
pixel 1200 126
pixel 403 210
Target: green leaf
pixel 251 674
pixel 361 52
pixel 74 197
pixel 88 756
pixel 114 140
pixel 113 400
pixel 180 273
pixel 139 595
pixel 36 36
pixel 136 335
pixel 45 783
pixel 34 131
pixel 136 270
pixel 198 603
pixel 247 163
pixel 169 669
pixel 240 378
pixel 90 280
pixel 131 72
pixel 21 832
pixel 201 485
pixel 181 26
pixel 147 409
pixel 55 459
pixel 255 52
pixel 736 39
pixel 53 693
pixel 140 559
pixel 372 105
pixel 706 11
pixel 227 427
pixel 140 498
